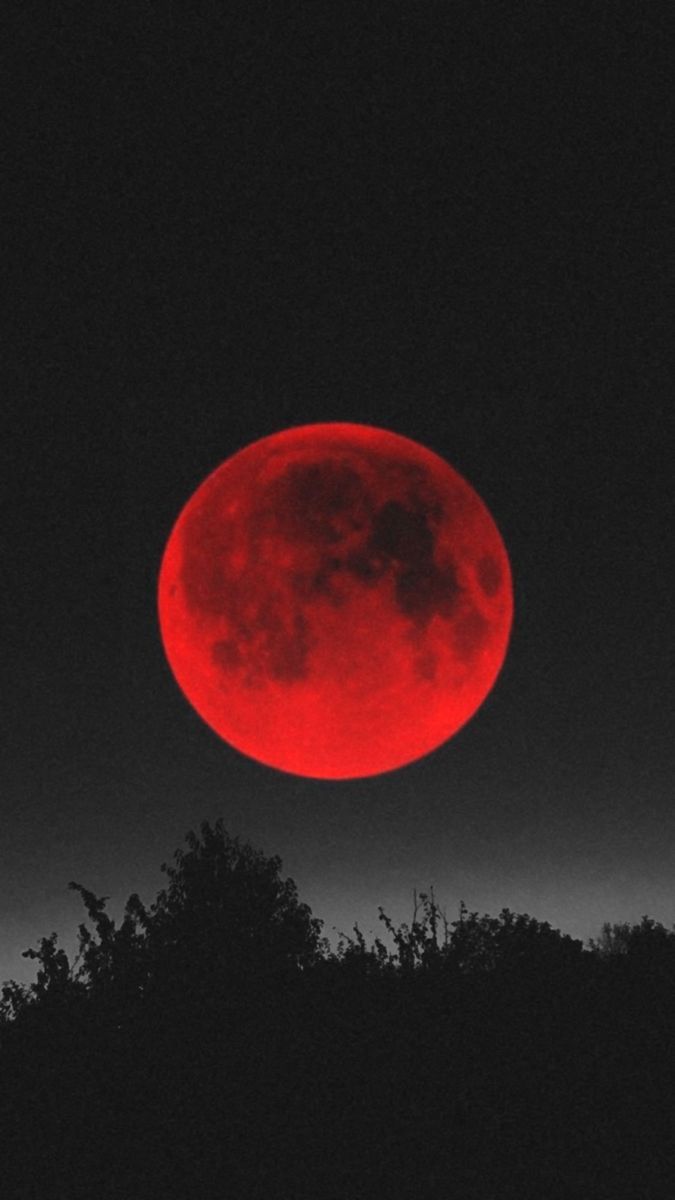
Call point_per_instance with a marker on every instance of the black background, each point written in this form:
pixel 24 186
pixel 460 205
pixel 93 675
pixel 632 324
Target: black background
pixel 450 220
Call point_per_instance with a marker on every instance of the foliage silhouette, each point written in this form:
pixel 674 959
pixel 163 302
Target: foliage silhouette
pixel 212 1044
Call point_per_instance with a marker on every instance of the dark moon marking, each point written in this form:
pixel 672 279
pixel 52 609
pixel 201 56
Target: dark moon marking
pixel 425 591
pixel 400 534
pixel 270 649
pixel 469 634
pixel 288 650
pixel 227 655
pixel 367 568
pixel 489 574
pixel 403 536
pixel 426 665
pixel 320 502
pixel 324 504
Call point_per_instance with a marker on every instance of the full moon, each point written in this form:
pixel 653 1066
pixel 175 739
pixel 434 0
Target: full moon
pixel 335 600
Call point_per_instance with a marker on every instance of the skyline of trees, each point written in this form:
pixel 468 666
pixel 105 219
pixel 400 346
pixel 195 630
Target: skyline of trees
pixel 202 901
pixel 213 1044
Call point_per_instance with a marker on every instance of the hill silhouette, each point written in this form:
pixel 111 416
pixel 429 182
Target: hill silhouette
pixel 212 1045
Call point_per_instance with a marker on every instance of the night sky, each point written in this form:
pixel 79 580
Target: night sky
pixel 451 220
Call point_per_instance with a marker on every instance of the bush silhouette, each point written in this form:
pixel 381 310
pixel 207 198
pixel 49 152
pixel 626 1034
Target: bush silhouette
pixel 212 1044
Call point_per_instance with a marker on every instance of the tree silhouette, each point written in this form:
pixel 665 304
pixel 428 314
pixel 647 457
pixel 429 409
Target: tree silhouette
pixel 649 939
pixel 226 902
pixel 213 1044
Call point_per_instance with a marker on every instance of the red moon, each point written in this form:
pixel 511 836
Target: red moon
pixel 335 600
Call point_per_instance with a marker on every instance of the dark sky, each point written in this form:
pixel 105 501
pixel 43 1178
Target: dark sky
pixel 451 220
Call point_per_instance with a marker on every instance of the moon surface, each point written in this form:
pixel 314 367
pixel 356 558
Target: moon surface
pixel 335 600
